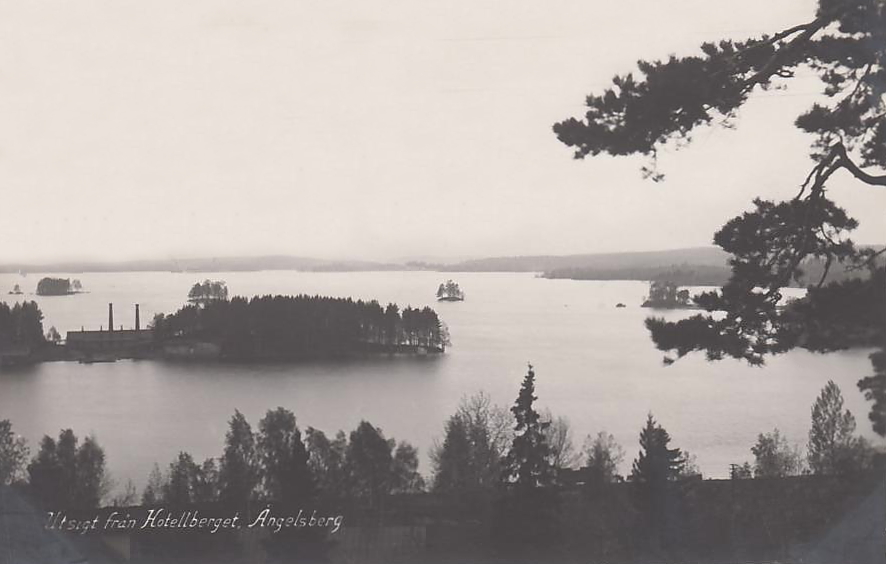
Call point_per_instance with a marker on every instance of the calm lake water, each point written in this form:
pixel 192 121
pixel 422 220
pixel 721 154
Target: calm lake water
pixel 595 365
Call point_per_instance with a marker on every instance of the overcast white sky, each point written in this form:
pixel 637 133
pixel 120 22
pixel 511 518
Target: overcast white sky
pixel 372 129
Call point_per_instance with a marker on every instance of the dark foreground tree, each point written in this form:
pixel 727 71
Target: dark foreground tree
pixel 66 476
pixel 665 101
pixel 326 459
pixel 477 438
pixel 21 325
pixel 13 454
pixel 238 473
pixel 654 470
pixel 527 514
pixel 376 467
pixel 286 477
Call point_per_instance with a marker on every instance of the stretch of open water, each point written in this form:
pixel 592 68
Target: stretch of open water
pixel 595 365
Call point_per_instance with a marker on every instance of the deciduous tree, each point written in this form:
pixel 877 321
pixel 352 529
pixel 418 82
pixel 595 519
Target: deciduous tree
pixel 13 454
pixel 774 457
pixel 238 474
pixel 833 447
pixel 286 477
pixel 603 456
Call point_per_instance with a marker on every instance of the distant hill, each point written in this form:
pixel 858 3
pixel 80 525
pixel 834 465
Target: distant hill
pixel 700 270
pixel 695 266
pixel 220 264
pixel 696 256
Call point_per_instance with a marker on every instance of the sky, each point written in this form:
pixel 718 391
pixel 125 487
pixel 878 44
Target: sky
pixel 371 129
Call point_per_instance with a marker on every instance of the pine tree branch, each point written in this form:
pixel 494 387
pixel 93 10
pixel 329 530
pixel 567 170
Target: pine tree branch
pixel 846 162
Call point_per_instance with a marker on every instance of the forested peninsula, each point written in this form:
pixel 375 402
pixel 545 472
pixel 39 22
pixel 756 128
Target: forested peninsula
pixel 261 328
pixel 285 327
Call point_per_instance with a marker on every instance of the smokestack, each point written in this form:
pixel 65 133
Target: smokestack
pixel 110 317
pixel 137 323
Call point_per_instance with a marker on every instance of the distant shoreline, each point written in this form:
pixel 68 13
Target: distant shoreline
pixel 694 266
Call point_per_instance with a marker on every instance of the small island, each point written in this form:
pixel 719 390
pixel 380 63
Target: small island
pixel 203 292
pixel 58 287
pixel 16 290
pixel 450 292
pixel 667 295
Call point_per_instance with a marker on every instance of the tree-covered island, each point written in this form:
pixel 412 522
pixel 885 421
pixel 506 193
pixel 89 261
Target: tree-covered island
pixel 58 286
pixel 449 291
pixel 667 295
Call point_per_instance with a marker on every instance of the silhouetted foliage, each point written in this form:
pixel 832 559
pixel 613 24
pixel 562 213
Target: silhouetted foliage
pixel 21 325
pixel 127 497
pixel 527 513
pixel 14 454
pixel 603 456
pixel 298 326
pixel 374 468
pixel 285 475
pixel 238 473
pixel 326 460
pixel 155 488
pixel 364 466
pixel 476 440
pixel 404 469
pixel 741 471
pixel 656 464
pixel 527 464
pixel 874 388
pixel 53 335
pixel 179 488
pixel 774 457
pixel 669 99
pixel 561 449
pixel 63 475
pixel 652 474
pixel 833 447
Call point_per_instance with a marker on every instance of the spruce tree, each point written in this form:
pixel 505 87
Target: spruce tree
pixel 656 464
pixel 527 514
pixel 654 469
pixel 527 465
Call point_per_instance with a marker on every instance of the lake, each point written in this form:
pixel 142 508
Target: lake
pixel 595 365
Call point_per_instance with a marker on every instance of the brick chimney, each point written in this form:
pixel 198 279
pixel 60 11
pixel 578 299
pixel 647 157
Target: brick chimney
pixel 110 317
pixel 137 322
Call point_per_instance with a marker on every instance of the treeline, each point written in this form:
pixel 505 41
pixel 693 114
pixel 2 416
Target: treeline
pixel 512 473
pixel 484 447
pixel 683 275
pixel 275 463
pixel 297 326
pixel 278 464
pixel 478 437
pixel 810 272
